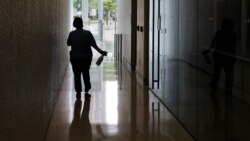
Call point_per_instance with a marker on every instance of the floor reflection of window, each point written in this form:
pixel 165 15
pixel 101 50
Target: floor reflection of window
pixel 111 106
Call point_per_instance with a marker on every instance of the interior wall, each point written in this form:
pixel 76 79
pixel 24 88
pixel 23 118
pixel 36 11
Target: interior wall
pixel 124 28
pixel 186 29
pixel 140 60
pixel 33 60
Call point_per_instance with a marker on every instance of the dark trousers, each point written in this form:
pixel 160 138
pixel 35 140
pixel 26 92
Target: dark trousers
pixel 223 63
pixel 81 67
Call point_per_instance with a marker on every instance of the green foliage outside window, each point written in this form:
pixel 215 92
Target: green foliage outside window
pixel 93 4
pixel 109 6
pixel 77 5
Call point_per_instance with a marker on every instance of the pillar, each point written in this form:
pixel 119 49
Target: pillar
pixel 100 19
pixel 85 12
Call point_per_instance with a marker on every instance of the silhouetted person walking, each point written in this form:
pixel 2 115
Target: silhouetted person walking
pixel 81 54
pixel 223 47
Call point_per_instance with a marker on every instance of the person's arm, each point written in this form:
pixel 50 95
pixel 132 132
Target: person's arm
pixel 205 52
pixel 94 45
pixel 213 42
pixel 69 40
pixel 99 50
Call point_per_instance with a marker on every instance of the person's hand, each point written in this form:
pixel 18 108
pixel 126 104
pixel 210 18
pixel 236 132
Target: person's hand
pixel 104 53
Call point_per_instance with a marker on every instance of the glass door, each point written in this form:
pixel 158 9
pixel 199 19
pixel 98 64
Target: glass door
pixel 155 45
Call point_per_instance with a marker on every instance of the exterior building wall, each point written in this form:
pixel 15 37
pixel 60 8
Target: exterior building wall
pixel 33 60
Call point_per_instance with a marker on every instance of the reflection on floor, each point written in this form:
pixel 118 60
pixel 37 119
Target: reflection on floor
pixel 119 110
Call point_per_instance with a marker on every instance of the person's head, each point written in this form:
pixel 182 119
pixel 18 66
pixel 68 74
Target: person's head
pixel 78 23
pixel 227 23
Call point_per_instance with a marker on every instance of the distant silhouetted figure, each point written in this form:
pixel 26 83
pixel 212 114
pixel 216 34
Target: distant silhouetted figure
pixel 223 47
pixel 81 54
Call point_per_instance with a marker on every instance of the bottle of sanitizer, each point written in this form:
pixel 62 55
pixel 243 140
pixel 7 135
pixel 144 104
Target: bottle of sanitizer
pixel 99 60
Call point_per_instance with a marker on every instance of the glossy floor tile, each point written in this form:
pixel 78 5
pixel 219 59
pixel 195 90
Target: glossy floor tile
pixel 119 110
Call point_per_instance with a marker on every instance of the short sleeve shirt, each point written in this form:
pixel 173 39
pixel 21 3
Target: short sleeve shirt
pixel 81 41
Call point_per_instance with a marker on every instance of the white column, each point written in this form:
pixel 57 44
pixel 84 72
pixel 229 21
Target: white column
pixel 71 15
pixel 100 19
pixel 85 12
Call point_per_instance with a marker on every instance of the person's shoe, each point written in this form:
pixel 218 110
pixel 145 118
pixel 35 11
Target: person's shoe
pixel 87 90
pixel 87 95
pixel 78 95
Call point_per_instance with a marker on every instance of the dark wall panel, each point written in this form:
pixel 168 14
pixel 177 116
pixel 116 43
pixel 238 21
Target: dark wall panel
pixel 188 30
pixel 208 113
pixel 33 59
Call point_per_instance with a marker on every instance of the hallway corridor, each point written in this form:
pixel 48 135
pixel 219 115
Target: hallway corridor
pixel 182 72
pixel 119 110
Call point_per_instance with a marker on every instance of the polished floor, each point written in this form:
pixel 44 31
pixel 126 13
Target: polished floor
pixel 119 110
